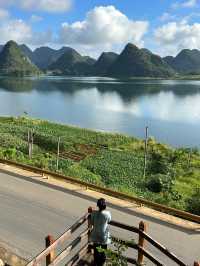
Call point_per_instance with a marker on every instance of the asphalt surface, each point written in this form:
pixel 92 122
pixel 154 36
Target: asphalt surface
pixel 30 211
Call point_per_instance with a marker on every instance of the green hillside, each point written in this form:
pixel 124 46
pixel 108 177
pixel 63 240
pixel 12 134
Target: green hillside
pixel 13 62
pixel 72 63
pixel 187 61
pixel 103 63
pixel 135 62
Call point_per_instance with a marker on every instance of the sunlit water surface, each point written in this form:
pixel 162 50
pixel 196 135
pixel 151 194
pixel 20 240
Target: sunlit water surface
pixel 170 108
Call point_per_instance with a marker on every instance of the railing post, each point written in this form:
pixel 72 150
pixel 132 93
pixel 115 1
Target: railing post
pixel 196 263
pixel 141 242
pixel 89 212
pixel 49 240
pixel 89 227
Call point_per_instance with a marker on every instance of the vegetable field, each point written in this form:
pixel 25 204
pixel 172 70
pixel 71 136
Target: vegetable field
pixel 116 161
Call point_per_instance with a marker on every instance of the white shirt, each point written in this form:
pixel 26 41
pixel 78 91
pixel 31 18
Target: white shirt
pixel 100 232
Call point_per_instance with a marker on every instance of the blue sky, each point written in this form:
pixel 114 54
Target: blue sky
pixel 93 26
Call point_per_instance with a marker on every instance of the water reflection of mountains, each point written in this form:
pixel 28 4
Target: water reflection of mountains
pixel 126 90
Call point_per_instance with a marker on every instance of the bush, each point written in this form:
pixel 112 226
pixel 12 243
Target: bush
pixel 10 153
pixel 155 184
pixel 161 183
pixel 193 204
pixel 159 163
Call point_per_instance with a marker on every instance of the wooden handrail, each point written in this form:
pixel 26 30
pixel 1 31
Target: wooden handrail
pixel 156 244
pixel 58 241
pixel 163 249
pixel 149 256
pixel 140 247
pixel 125 226
pixel 137 247
pixel 78 256
pixel 69 248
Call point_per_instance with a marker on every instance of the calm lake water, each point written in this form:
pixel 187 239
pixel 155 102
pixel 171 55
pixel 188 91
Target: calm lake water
pixel 170 108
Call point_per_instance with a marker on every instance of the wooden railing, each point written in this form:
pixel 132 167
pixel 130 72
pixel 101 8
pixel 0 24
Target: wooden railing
pixel 51 260
pixel 51 245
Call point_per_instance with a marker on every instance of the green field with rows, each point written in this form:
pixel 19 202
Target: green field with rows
pixel 111 160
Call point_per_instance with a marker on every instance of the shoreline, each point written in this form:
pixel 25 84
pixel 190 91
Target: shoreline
pixel 183 77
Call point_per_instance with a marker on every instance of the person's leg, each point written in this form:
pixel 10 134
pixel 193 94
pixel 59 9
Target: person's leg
pixel 99 257
pixel 96 255
pixel 103 255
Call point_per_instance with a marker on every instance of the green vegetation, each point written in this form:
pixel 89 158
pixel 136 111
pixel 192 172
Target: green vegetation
pixel 111 160
pixel 14 63
pixel 72 63
pixel 132 62
pixel 116 256
pixel 186 62
pixel 135 62
pixel 103 63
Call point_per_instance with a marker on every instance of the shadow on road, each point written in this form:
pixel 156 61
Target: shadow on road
pixel 126 210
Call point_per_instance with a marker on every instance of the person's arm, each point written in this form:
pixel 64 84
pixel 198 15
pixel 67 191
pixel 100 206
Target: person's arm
pixel 91 221
pixel 109 217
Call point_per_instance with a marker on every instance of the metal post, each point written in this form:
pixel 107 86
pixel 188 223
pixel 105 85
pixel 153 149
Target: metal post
pixel 145 151
pixel 29 143
pixel 141 242
pixel 58 154
pixel 49 240
pixel 32 142
pixel 189 158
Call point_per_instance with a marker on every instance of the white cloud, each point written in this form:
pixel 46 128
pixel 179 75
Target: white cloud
pixel 41 38
pixel 4 3
pixel 167 16
pixel 16 30
pixel 21 32
pixel 52 6
pixel 190 3
pixel 104 29
pixel 4 14
pixel 36 18
pixel 185 4
pixel 174 36
pixel 104 25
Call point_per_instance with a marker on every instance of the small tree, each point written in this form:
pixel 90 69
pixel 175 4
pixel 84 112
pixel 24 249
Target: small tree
pixel 116 257
pixel 193 204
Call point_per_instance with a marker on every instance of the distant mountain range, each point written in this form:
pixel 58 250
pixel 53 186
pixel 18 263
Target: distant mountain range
pixel 131 62
pixel 186 62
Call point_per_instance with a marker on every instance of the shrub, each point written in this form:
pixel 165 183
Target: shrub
pixel 10 153
pixel 159 163
pixel 193 204
pixel 161 183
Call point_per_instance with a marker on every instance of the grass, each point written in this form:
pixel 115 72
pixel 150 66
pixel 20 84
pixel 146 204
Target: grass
pixel 112 160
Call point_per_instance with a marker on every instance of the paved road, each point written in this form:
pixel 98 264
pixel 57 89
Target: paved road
pixel 30 211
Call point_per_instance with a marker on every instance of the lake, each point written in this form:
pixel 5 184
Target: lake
pixel 170 108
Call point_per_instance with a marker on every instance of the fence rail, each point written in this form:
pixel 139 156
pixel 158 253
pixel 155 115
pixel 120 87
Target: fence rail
pixel 156 206
pixel 60 240
pixel 140 246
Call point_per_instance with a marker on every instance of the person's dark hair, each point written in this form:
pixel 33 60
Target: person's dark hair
pixel 101 203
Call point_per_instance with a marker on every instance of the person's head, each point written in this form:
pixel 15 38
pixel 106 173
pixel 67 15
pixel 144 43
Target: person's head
pixel 101 204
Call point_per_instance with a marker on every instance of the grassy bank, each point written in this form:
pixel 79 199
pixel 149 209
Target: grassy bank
pixel 111 160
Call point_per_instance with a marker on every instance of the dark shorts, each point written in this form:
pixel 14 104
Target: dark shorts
pixel 99 257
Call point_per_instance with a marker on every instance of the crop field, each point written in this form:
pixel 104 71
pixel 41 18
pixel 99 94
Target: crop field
pixel 172 176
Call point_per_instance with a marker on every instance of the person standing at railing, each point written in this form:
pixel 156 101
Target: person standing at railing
pixel 100 235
